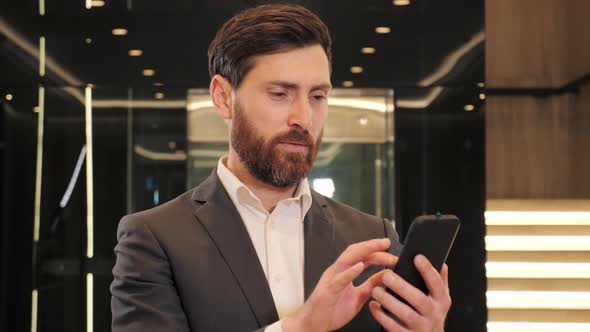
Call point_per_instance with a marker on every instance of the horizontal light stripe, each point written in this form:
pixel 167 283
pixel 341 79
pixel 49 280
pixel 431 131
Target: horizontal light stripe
pixel 537 243
pixel 538 300
pixel 533 270
pixel 537 218
pixel 537 327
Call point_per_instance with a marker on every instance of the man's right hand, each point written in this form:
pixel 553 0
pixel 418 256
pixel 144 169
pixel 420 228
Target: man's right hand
pixel 336 301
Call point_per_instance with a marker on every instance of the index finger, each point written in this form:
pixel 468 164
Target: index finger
pixel 358 252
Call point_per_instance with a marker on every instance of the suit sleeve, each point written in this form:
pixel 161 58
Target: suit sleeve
pixel 144 297
pixel 390 232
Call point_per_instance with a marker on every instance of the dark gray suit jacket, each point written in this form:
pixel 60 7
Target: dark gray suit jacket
pixel 189 264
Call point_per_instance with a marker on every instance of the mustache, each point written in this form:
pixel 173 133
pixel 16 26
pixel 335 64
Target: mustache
pixel 302 137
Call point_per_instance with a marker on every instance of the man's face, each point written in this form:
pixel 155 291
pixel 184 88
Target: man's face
pixel 279 113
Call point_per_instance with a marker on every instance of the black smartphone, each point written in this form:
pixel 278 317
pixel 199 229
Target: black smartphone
pixel 431 236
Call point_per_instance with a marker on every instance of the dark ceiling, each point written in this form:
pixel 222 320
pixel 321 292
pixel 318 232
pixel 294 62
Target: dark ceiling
pixel 174 36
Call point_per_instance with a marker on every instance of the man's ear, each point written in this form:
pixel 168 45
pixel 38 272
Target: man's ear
pixel 220 90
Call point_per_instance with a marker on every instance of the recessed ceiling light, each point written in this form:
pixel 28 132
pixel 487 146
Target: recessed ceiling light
pixel 363 121
pixel 368 50
pixel 8 97
pixel 149 72
pixel 36 109
pixel 481 85
pixel 88 40
pixel 158 84
pixel 356 69
pixel 469 108
pixel 97 3
pixel 401 2
pixel 135 52
pixel 348 84
pixel 119 32
pixel 382 30
pixel 482 96
pixel 159 95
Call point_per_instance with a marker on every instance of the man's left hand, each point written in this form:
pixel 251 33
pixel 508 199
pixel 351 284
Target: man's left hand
pixel 430 310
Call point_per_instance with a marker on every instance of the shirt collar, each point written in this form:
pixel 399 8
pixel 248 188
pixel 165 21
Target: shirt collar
pixel 241 194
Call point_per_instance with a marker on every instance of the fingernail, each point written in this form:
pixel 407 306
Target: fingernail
pixel 388 278
pixel 420 260
pixel 377 292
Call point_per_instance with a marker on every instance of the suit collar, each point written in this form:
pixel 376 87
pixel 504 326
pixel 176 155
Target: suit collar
pixel 223 223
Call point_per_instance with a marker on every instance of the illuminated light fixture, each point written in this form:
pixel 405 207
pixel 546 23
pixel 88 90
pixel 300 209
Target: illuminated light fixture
pixel 468 108
pixel 401 2
pixel 481 85
pixel 537 270
pixel 34 309
pixel 36 109
pixel 149 72
pixel 88 40
pixel 482 96
pixel 89 174
pixel 88 4
pixel 159 95
pixel 356 69
pixel 158 84
pixel 42 7
pixel 90 85
pixel 135 52
pixel 8 97
pixel 119 32
pixel 538 300
pixel 324 186
pixel 537 243
pixel 363 121
pixel 97 3
pixel 89 302
pixel 42 56
pixel 523 218
pixel 382 30
pixel 39 164
pixel 537 327
pixel 348 84
pixel 368 50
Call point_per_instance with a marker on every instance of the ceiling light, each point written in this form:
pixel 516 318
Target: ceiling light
pixel 159 95
pixel 469 108
pixel 36 109
pixel 88 40
pixel 368 50
pixel 348 84
pixel 158 84
pixel 482 96
pixel 149 72
pixel 356 69
pixel 8 97
pixel 97 3
pixel 382 30
pixel 135 52
pixel 119 32
pixel 401 2
pixel 481 85
pixel 363 121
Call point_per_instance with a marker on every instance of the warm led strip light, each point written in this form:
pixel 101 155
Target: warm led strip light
pixel 537 243
pixel 89 177
pixel 537 218
pixel 39 164
pixel 537 327
pixel 534 270
pixel 538 300
pixel 34 302
pixel 89 302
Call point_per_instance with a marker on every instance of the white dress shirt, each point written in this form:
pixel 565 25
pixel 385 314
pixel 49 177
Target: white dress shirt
pixel 277 238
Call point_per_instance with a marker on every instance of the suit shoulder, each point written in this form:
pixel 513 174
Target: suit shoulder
pixel 349 214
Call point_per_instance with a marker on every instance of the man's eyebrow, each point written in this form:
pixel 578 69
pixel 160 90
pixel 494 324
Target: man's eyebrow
pixel 290 85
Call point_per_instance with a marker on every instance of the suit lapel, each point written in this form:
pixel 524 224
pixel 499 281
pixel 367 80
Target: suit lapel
pixel 320 247
pixel 222 221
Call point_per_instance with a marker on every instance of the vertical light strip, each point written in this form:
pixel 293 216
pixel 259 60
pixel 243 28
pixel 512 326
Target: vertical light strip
pixel 88 4
pixel 89 302
pixel 34 301
pixel 42 7
pixel 39 164
pixel 41 56
pixel 89 176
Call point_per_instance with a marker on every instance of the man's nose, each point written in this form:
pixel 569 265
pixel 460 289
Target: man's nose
pixel 301 113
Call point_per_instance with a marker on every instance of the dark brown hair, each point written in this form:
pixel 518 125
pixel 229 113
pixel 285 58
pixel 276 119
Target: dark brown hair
pixel 263 30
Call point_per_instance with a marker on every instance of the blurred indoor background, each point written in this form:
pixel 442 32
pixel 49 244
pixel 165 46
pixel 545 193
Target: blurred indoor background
pixel 478 108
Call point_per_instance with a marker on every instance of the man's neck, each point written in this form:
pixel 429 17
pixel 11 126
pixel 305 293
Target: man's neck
pixel 268 195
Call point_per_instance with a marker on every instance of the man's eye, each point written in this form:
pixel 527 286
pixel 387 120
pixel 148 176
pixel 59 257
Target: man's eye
pixel 319 97
pixel 278 94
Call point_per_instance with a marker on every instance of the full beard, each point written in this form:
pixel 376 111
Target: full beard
pixel 265 160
